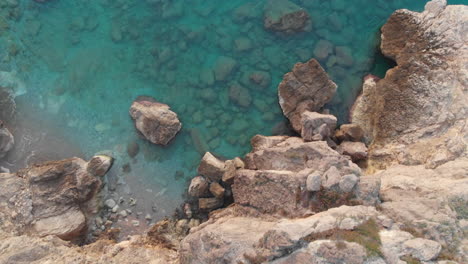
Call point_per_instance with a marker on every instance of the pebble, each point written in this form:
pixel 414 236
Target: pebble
pixel 132 202
pixel 110 203
pixel 123 213
pixel 115 209
pixel 148 217
pixel 136 223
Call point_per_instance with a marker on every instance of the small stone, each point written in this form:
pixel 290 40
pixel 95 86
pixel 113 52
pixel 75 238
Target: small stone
pixel 99 165
pixel 217 190
pixel 115 209
pixel 224 67
pixel 123 213
pixel 209 204
pixel 135 223
pixel 132 202
pixel 348 182
pixel 349 132
pixel 331 177
pixel 356 150
pixel 148 217
pixel 323 49
pixel 110 203
pixel 98 221
pixel 314 182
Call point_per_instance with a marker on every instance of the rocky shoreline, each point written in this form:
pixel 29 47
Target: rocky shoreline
pixel 391 187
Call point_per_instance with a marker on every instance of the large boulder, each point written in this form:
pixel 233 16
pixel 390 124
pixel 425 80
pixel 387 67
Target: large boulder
pixel 7 140
pixel 286 17
pixel 306 88
pixel 154 120
pixel 53 198
pixel 418 113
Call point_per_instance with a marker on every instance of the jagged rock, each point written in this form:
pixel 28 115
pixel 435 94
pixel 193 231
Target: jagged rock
pixel 423 249
pixel 349 132
pixel 286 17
pixel 356 150
pixel 99 165
pixel 198 187
pixel 233 236
pixel 53 198
pixel 156 122
pixel 418 113
pixel 211 167
pixel 306 88
pixel 316 127
pixel 279 174
pixel 50 249
pixel 7 140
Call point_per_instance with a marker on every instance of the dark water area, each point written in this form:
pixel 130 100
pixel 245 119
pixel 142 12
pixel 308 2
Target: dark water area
pixel 78 64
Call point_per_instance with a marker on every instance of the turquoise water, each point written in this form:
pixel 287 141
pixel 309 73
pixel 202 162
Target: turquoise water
pixel 82 62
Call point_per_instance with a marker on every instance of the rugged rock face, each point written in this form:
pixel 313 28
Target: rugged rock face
pixel 418 113
pixel 285 17
pixel 7 140
pixel 306 88
pixel 154 120
pixel 53 198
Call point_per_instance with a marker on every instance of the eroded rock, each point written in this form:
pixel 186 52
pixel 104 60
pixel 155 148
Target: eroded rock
pixel 286 17
pixel 154 120
pixel 306 88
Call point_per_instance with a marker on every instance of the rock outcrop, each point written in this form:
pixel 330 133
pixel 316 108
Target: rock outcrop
pixel 286 17
pixel 53 198
pixel 418 113
pixel 306 88
pixel 154 120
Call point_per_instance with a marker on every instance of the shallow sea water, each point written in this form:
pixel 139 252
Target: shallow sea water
pixel 80 63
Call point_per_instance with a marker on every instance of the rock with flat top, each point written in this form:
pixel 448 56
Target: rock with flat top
pixel 211 167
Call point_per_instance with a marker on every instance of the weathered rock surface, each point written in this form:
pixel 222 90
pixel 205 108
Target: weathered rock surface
pixel 433 202
pixel 306 88
pixel 199 187
pixel 211 167
pixel 53 198
pixel 356 150
pixel 418 113
pixel 234 236
pixel 50 249
pixel 154 120
pixel 7 141
pixel 316 127
pixel 286 17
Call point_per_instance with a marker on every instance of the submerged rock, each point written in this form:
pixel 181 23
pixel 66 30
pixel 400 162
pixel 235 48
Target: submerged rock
pixel 7 140
pixel 154 120
pixel 286 17
pixel 306 88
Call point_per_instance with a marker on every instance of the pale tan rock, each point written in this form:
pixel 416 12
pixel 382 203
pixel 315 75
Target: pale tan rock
pixel 211 167
pixel 154 120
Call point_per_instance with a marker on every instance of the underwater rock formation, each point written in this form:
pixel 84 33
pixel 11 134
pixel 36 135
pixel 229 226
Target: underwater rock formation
pixel 53 198
pixel 306 88
pixel 7 140
pixel 286 17
pixel 418 113
pixel 154 120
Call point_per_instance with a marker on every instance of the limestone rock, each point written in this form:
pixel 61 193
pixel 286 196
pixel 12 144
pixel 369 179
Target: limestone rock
pixel 53 198
pixel 286 17
pixel 154 120
pixel 316 127
pixel 348 182
pixel 7 140
pixel 314 182
pixel 423 249
pixel 233 236
pixel 198 187
pixel 306 88
pixel 356 150
pixel 418 113
pixel 217 190
pixel 209 204
pixel 211 167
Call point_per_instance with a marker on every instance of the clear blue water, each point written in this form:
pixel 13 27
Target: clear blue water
pixel 82 62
